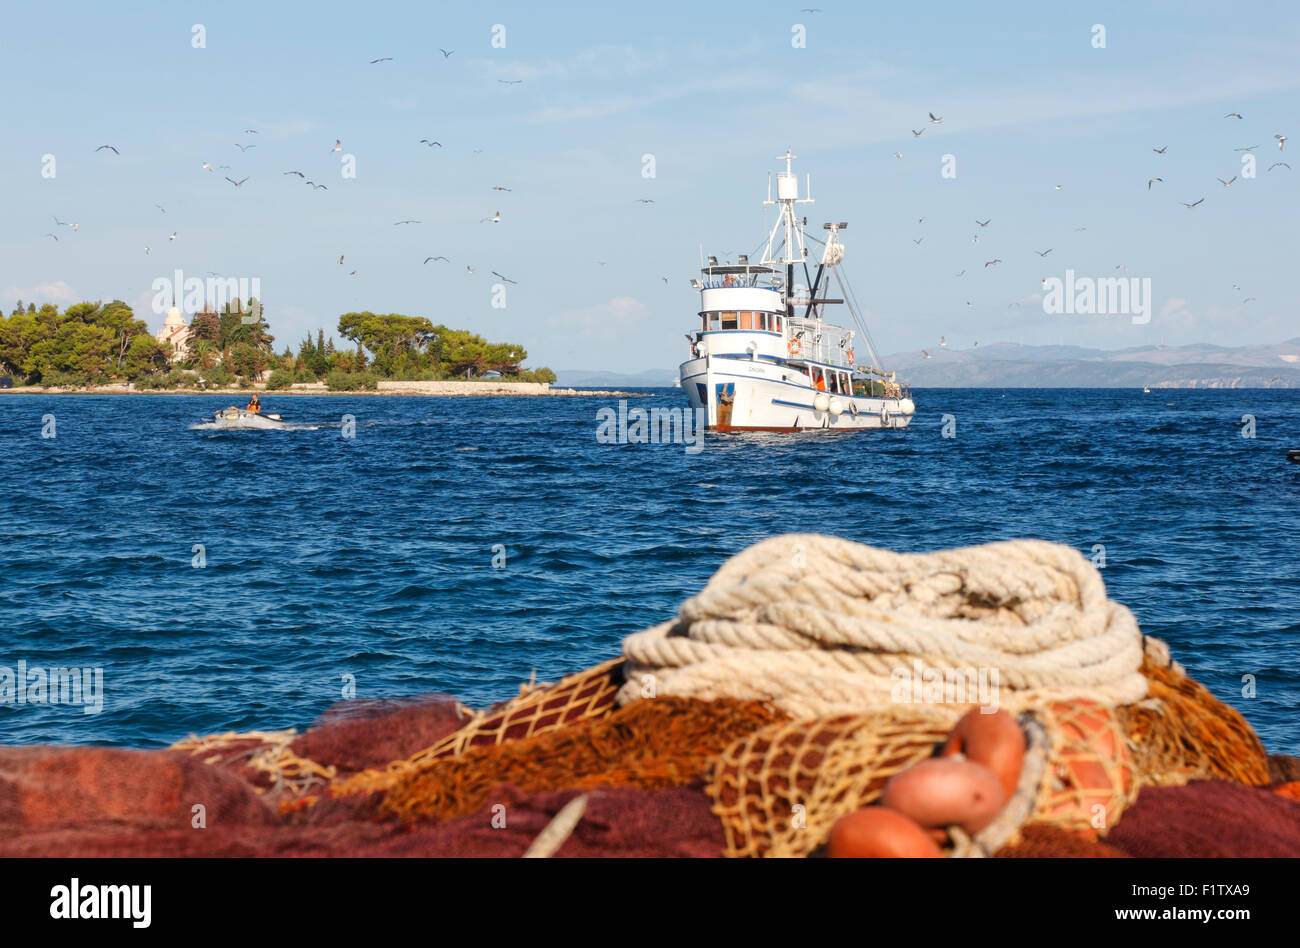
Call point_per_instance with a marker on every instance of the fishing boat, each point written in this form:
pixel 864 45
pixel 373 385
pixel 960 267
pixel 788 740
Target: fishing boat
pixel 233 417
pixel 764 358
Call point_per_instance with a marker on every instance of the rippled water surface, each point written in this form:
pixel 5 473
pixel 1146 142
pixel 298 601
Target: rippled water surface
pixel 373 556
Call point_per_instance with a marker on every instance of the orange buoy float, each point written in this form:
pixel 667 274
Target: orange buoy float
pixel 878 833
pixel 995 741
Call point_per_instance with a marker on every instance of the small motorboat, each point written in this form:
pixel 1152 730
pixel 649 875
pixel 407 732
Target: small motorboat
pixel 1293 455
pixel 233 417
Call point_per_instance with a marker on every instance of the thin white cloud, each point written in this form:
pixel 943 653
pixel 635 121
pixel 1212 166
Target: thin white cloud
pixel 604 320
pixel 56 292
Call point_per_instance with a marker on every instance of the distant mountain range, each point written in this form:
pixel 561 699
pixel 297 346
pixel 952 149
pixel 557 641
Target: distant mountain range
pixel 1007 365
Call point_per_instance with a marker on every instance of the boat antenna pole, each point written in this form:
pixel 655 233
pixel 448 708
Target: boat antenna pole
pixel 787 195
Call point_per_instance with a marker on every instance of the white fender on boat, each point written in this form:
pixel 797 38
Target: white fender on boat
pixel 821 401
pixel 907 406
pixel 835 407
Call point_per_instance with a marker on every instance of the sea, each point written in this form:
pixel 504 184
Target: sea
pixel 386 547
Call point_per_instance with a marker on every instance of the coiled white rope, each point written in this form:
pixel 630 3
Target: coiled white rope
pixel 821 626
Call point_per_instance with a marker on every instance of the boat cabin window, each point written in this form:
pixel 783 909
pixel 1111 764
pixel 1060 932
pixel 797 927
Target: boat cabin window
pixel 728 320
pixel 711 321
pixel 747 321
pixel 776 324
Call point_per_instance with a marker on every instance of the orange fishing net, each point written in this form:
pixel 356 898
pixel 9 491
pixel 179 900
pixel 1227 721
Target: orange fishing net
pixel 778 791
pixel 579 697
pixel 1091 776
pixel 1182 733
pixel 1289 790
pixel 652 744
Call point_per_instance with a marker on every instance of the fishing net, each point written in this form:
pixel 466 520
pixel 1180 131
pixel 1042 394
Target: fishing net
pixel 778 791
pixel 1181 732
pixel 656 743
pixel 46 788
pixel 1209 818
pixel 1289 790
pixel 1091 776
pixel 1283 768
pixel 265 759
pixel 538 709
pixel 1052 842
pixel 622 821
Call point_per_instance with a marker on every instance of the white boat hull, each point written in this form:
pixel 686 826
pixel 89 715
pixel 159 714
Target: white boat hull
pixel 753 395
pixel 239 418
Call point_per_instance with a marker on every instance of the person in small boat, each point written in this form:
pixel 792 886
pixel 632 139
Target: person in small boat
pixel 254 404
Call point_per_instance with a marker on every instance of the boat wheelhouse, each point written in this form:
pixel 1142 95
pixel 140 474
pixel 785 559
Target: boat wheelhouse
pixel 764 358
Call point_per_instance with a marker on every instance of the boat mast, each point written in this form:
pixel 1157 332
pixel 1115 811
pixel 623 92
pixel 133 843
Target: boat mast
pixel 787 195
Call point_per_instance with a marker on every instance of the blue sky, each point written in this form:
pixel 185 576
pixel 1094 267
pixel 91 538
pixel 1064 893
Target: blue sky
pixel 715 92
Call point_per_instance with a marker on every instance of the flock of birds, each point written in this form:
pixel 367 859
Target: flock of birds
pixel 244 147
pixel 239 182
pixel 1280 139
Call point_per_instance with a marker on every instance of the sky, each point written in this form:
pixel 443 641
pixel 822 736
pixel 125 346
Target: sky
pixel 714 92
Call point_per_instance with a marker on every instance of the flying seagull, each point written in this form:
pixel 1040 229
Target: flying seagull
pixel 943 340
pixel 1228 183
pixel 173 236
pixel 983 223
pixel 236 183
pixel 446 53
pixel 1150 181
pixel 1250 148
pixel 251 131
pixel 161 208
pixel 1160 151
pixel 1192 205
pixel 926 353
pixel 110 148
pixel 1249 299
pixel 1281 140
pixel 936 119
pixel 506 278
pixel 916 134
pixel 51 235
pixel 1235 115
pixel 963 273
pixel 510 82
pixel 338 145
pixel 495 218
pixel 917 240
pixel 497 187
pixel 395 223
pixel 1281 163
pixel 898 154
pixel 317 187
pixel 340 260
pixel 645 200
pixel 244 148
pixel 469 270
pixel 1044 253
pixel 59 222
pixel 425 141
pixel 147 250
pixel 382 59
pixel 990 263
pixel 427 259
pixel 298 173
pixel 207 165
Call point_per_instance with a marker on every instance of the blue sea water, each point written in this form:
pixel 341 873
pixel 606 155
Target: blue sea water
pixel 373 556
